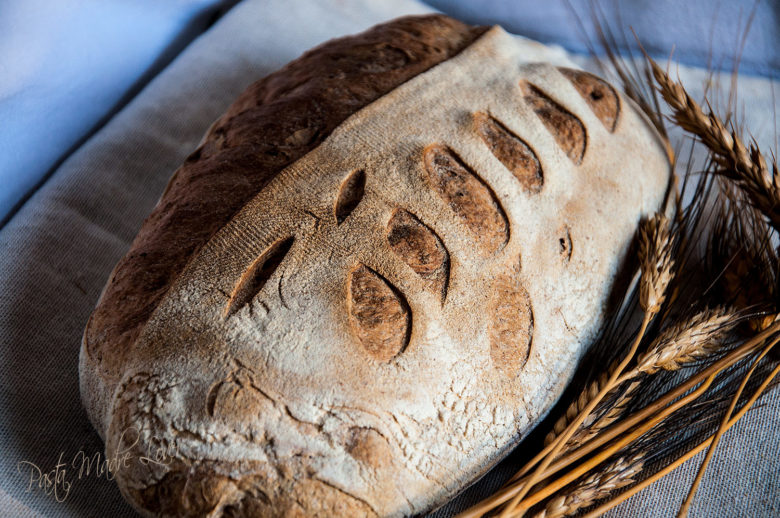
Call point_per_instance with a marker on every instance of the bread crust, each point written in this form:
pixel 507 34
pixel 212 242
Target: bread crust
pixel 389 314
pixel 273 123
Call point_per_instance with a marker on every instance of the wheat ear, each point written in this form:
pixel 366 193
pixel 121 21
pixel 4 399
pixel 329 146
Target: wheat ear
pixel 686 341
pixel 596 421
pixel 595 487
pixel 655 257
pixel 743 164
pixel 576 406
pixel 594 425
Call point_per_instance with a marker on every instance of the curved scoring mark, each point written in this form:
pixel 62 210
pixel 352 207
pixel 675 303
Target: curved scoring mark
pixel 512 326
pixel 599 95
pixel 471 199
pixel 350 194
pixel 567 129
pixel 258 273
pixel 419 247
pixel 515 154
pixel 564 242
pixel 378 314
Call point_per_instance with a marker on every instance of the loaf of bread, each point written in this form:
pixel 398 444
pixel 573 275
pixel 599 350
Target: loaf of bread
pixel 375 274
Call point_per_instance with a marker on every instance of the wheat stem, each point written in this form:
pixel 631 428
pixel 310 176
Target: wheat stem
pixel 615 475
pixel 604 454
pixel 690 454
pixel 566 435
pixel 721 430
pixel 629 422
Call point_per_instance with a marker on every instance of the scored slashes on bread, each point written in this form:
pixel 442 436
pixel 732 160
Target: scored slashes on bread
pixel 372 278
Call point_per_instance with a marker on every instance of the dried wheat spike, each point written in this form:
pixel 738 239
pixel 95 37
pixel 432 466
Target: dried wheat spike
pixel 686 341
pixel 597 420
pixel 743 164
pixel 603 417
pixel 598 485
pixel 655 256
pixel 589 392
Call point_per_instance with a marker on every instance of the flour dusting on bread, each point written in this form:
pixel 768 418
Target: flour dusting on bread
pixel 397 307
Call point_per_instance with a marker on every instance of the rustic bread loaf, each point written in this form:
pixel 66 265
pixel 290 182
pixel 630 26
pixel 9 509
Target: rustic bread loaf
pixel 375 274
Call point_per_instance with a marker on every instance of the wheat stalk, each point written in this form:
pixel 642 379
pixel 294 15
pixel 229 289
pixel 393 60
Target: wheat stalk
pixel 721 430
pixel 601 418
pixel 689 454
pixel 592 426
pixel 686 341
pixel 655 258
pixel 595 487
pixel 743 164
pixel 588 393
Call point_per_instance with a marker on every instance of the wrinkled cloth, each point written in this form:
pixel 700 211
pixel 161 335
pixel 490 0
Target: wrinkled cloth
pixel 56 254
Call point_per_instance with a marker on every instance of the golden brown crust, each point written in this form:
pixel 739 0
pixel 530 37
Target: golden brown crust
pixel 418 246
pixel 273 123
pixel 468 196
pixel 510 149
pixel 378 314
pixel 511 328
pixel 568 130
pixel 600 96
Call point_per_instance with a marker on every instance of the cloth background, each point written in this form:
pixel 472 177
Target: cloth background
pixel 702 32
pixel 56 253
pixel 65 65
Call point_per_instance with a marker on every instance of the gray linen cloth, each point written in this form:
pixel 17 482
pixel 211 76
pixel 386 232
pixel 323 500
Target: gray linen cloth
pixel 57 252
